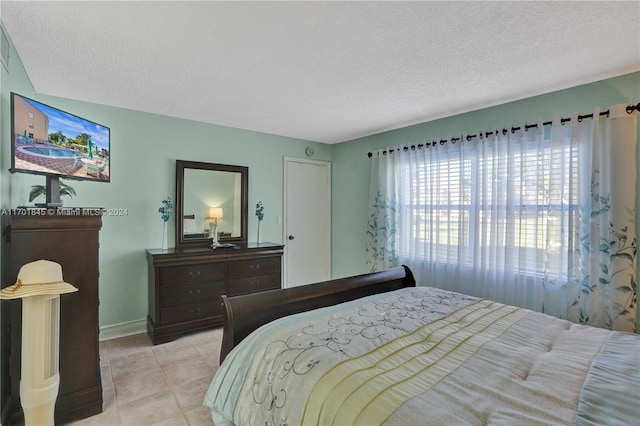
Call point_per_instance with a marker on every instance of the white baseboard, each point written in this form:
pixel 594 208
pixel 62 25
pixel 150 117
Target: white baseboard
pixel 123 329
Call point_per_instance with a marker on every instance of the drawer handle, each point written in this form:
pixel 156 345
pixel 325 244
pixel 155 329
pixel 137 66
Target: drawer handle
pixel 194 292
pixel 255 283
pixel 195 274
pixel 254 267
pixel 194 311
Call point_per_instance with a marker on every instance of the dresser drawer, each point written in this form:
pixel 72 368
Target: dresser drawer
pixel 253 284
pixel 258 266
pixel 190 312
pixel 191 293
pixel 188 274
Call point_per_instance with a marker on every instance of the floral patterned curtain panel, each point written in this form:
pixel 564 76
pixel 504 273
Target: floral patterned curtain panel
pixel 607 295
pixel 541 217
pixel 382 232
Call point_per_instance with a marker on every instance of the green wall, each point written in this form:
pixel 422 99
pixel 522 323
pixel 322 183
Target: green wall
pixel 145 147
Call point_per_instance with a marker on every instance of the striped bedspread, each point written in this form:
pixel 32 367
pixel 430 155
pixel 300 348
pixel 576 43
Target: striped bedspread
pixel 421 356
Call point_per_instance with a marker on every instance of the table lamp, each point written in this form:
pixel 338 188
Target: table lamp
pixel 215 213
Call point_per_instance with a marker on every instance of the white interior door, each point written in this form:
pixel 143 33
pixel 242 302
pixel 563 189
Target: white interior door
pixel 307 221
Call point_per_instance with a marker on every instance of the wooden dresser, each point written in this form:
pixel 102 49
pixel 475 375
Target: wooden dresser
pixel 73 242
pixel 185 284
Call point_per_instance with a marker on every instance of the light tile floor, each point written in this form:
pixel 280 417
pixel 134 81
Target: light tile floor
pixel 163 384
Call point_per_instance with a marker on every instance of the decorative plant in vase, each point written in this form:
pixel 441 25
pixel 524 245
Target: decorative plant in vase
pixel 38 190
pixel 166 215
pixel 260 215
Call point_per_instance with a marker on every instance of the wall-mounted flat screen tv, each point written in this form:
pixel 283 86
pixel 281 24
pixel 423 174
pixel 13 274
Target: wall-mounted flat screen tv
pixel 48 141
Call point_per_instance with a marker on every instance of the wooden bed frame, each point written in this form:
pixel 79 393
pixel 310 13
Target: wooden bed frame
pixel 243 314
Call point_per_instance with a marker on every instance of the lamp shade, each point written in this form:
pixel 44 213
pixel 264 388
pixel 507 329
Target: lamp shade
pixel 215 213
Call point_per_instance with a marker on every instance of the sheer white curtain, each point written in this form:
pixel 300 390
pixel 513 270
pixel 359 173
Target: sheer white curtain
pixel 541 218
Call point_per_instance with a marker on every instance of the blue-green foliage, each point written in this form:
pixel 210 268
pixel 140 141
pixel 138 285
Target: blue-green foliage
pixel 165 210
pixel 260 211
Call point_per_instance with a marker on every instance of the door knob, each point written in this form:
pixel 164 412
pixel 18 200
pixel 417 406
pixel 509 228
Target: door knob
pixel 291 237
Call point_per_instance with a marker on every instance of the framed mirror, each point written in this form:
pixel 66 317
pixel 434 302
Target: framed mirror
pixel 210 198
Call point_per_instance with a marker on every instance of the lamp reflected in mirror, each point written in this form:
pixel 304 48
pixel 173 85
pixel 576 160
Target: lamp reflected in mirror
pixel 202 186
pixel 215 214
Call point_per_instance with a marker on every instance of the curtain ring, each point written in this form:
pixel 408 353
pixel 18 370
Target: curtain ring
pixel 630 108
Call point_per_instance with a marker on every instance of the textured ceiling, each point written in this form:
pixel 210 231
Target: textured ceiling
pixel 320 71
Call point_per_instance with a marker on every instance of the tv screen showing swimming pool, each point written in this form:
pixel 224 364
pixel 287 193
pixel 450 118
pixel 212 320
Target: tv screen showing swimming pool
pixel 52 142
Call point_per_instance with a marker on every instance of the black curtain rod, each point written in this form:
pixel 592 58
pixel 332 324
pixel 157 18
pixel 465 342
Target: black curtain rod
pixel 629 109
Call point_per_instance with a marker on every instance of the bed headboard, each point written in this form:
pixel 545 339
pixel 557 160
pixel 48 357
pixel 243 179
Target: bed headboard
pixel 243 314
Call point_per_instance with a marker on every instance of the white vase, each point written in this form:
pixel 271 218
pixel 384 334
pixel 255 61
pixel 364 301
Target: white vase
pixel 258 239
pixel 165 241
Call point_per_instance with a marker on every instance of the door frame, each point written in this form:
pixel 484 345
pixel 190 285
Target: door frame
pixel 285 219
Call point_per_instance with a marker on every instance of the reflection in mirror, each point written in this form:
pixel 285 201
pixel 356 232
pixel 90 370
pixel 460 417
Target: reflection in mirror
pixel 204 192
pixel 211 203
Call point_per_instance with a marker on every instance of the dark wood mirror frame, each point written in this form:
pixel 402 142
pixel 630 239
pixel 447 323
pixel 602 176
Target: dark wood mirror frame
pixel 181 166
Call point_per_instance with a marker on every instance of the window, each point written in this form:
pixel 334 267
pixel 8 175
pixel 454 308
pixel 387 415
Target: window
pixel 521 203
pixel 537 216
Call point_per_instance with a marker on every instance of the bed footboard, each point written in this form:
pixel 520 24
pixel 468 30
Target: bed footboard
pixel 243 314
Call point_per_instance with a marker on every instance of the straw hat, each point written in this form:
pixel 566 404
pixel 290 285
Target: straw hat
pixel 38 278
